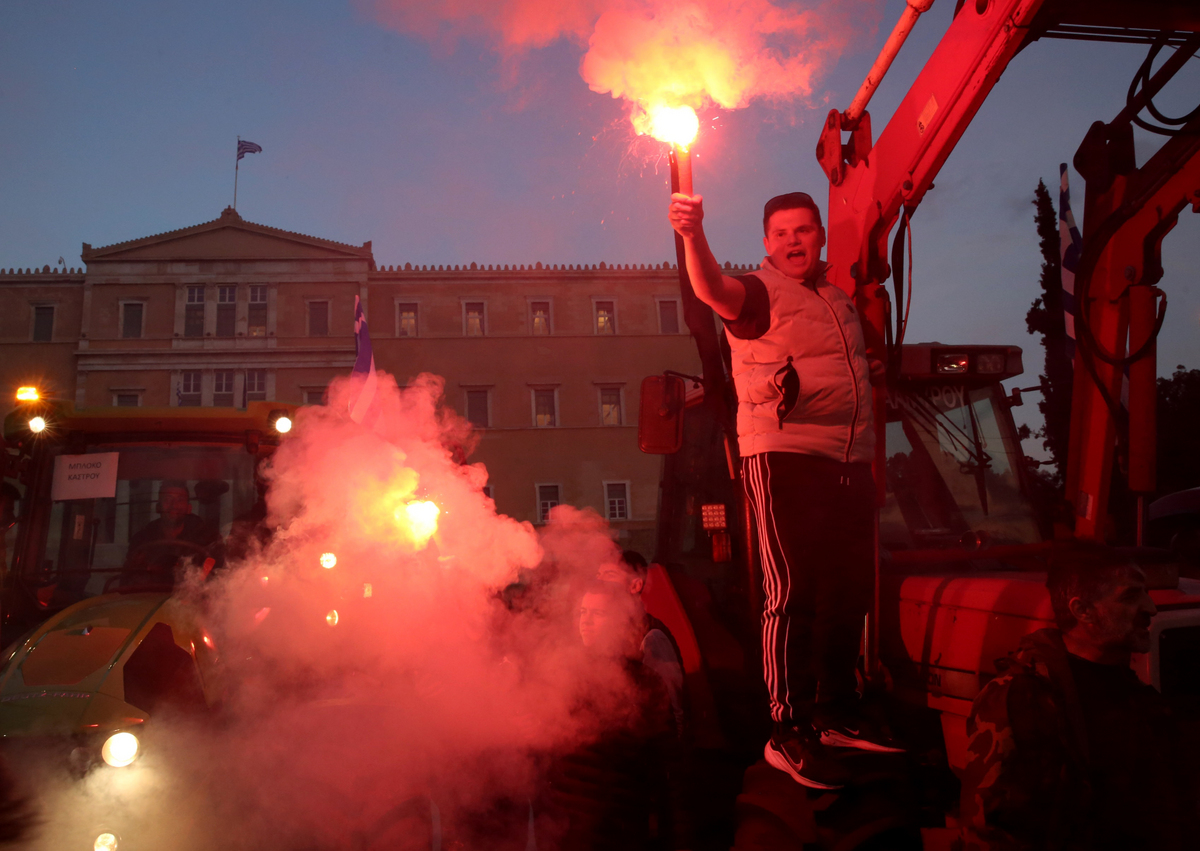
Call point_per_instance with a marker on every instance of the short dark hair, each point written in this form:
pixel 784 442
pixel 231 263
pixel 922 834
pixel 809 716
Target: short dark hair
pixel 790 201
pixel 175 485
pixel 1086 571
pixel 635 561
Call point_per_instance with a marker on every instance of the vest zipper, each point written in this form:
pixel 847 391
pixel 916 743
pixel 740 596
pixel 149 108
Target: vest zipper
pixel 853 374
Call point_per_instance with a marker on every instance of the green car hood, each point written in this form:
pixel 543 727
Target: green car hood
pixel 66 677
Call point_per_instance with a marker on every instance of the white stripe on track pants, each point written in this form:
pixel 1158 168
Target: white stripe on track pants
pixel 815 519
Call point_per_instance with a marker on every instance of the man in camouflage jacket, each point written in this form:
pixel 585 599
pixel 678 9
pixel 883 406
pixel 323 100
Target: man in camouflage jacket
pixel 1067 749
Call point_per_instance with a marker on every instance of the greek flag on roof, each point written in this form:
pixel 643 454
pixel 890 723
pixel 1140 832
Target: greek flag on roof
pixel 245 147
pixel 363 373
pixel 1070 246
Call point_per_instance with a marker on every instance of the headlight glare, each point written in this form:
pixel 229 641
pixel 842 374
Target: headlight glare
pixel 106 842
pixel 120 749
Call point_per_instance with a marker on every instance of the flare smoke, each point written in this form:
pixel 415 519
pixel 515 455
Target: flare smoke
pixel 659 52
pixel 440 679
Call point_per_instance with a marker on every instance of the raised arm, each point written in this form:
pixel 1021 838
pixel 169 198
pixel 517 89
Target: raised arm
pixel 723 294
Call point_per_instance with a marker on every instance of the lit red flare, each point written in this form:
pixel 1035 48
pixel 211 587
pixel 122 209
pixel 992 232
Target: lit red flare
pixel 677 125
pixel 420 519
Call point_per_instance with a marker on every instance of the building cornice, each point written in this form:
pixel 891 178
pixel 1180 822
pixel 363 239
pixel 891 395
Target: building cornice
pixel 229 218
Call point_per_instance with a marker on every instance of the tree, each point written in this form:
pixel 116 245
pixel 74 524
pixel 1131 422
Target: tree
pixel 1045 317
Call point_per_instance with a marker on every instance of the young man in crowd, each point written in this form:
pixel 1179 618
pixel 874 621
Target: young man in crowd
pixel 805 435
pixel 1068 749
pixel 660 651
pixel 622 789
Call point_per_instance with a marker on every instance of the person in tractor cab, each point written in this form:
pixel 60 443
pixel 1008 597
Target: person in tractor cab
pixel 1068 749
pixel 806 439
pixel 660 651
pixel 155 550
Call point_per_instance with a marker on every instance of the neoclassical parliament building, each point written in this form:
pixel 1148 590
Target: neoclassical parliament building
pixel 545 361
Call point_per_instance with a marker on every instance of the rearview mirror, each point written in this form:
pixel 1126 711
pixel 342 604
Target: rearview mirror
pixel 660 414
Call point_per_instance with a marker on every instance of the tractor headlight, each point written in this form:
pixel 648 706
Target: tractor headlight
pixel 120 749
pixel 280 421
pixel 106 842
pixel 37 425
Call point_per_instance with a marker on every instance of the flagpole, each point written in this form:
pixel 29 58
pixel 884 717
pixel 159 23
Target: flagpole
pixel 236 162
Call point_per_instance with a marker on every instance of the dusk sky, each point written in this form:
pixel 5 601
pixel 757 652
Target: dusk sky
pixel 120 120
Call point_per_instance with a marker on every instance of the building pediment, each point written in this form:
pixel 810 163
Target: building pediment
pixel 229 237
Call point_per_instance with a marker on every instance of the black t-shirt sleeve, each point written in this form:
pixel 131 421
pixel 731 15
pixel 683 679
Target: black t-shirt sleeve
pixel 755 317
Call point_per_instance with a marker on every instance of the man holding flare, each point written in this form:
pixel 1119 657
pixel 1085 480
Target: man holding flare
pixel 806 439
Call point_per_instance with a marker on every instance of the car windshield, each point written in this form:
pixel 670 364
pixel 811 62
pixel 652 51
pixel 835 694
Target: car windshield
pixel 163 506
pixel 952 474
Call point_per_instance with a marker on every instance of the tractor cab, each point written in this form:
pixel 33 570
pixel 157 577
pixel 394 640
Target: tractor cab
pixel 955 473
pixel 103 500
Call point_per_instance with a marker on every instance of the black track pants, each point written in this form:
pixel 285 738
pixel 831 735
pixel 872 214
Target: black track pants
pixel 816 538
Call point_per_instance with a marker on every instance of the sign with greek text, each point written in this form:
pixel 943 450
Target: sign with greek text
pixel 85 476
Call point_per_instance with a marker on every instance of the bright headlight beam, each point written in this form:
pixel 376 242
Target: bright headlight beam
pixel 120 749
pixel 328 560
pixel 283 425
pixel 37 425
pixel 105 842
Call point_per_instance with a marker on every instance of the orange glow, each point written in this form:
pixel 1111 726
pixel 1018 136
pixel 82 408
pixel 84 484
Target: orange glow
pixel 367 589
pixel 261 614
pixel 28 394
pixel 208 642
pixel 331 617
pixel 675 124
pixel 420 519
pixel 328 560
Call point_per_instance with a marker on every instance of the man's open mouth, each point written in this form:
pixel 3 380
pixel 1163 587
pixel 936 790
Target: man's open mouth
pixel 793 255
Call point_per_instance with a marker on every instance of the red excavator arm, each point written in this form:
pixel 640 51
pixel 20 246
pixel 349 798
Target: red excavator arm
pixel 1128 212
pixel 872 184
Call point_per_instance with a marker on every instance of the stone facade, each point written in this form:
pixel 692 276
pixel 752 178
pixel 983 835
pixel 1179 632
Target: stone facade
pixel 546 361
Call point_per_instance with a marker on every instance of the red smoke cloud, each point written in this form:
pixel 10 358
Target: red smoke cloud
pixel 659 52
pixel 453 664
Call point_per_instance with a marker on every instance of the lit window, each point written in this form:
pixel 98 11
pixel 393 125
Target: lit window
pixel 127 400
pixel 193 317
pixel 43 323
pixel 606 317
pixel 539 317
pixel 610 406
pixel 668 316
pixel 256 313
pixel 616 497
pixel 474 321
pixel 544 415
pixel 189 389
pixel 131 319
pixel 226 311
pixel 318 319
pixel 223 388
pixel 548 497
pixel 256 385
pixel 406 321
pixel 477 408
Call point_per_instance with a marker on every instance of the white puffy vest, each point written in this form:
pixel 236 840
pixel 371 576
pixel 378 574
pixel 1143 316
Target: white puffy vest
pixel 819 328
